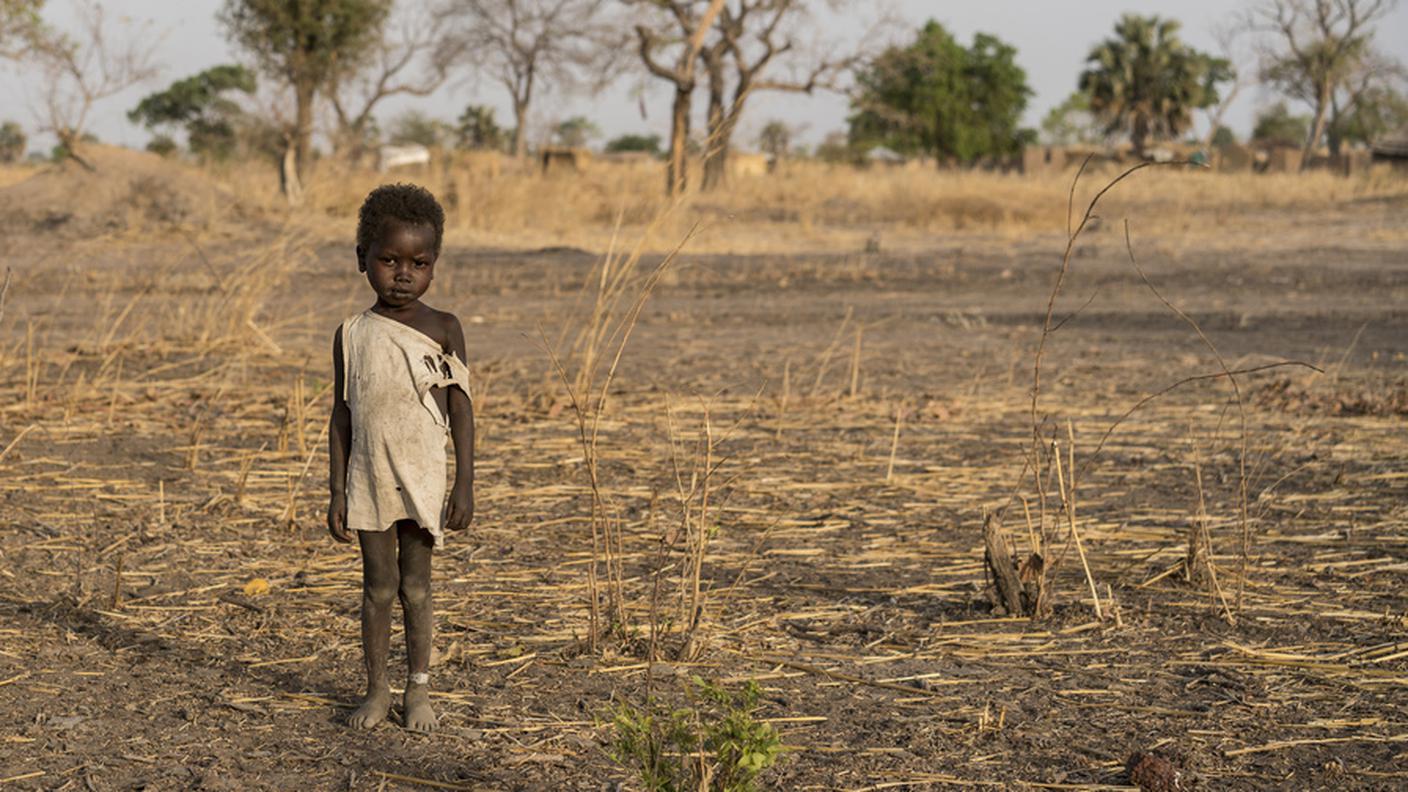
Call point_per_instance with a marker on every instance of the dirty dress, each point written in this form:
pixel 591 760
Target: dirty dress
pixel 396 468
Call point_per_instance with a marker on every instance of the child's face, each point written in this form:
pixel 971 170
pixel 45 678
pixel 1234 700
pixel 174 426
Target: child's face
pixel 400 262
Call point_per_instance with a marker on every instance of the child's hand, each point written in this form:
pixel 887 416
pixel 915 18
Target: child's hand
pixel 337 518
pixel 461 509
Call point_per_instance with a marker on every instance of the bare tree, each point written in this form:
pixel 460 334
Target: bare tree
pixel 1314 47
pixel 754 35
pixel 81 70
pixel 1232 40
pixel 412 56
pixel 529 46
pixel 690 22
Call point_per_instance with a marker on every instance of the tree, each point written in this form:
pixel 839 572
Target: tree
pixel 478 130
pixel 1147 82
pixel 575 132
pixel 81 70
pixel 1222 137
pixel 416 127
pixel 411 55
pixel 1315 50
pixel 309 46
pixel 1375 112
pixel 19 24
pixel 162 145
pixel 691 23
pixel 775 140
pixel 1232 50
pixel 649 144
pixel 197 105
pixel 752 35
pixel 529 46
pixel 935 96
pixel 1071 122
pixel 12 140
pixel 1276 125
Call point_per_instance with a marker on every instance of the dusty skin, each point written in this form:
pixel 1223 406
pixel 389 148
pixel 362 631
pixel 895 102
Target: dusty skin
pixel 155 465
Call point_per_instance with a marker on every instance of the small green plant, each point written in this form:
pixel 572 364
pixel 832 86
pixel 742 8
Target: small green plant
pixel 713 744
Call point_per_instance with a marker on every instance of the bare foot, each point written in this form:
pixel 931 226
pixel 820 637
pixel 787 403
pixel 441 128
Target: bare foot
pixel 419 716
pixel 373 710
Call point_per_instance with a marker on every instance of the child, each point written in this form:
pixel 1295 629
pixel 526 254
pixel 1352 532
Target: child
pixel 401 384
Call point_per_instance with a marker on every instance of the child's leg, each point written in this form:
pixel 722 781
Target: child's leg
pixel 416 546
pixel 380 579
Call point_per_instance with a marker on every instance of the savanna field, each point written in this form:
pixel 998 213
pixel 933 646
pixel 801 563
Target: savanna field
pixel 751 437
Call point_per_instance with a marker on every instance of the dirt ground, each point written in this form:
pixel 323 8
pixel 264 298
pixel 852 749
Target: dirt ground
pixel 161 411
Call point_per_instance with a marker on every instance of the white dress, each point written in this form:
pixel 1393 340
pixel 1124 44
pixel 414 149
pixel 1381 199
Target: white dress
pixel 396 468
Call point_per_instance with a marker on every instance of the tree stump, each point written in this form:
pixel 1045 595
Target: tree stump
pixel 1003 568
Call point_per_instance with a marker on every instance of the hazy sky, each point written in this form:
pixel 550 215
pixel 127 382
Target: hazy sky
pixel 1052 39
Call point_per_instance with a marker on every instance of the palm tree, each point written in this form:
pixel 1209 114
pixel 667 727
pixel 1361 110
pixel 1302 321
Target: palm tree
pixel 1147 82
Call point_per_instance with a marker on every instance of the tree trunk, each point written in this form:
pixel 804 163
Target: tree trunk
pixel 520 135
pixel 1317 126
pixel 289 182
pixel 302 129
pixel 1333 130
pixel 677 174
pixel 522 93
pixel 1139 136
pixel 716 142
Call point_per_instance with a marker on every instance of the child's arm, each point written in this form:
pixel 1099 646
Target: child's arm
pixel 461 510
pixel 339 446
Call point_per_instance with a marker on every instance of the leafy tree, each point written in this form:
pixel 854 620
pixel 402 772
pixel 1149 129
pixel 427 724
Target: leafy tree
pixel 309 45
pixel 1071 122
pixel 939 97
pixel 197 104
pixel 1378 110
pixel 1222 136
pixel 478 130
pixel 1276 125
pixel 12 140
pixel 1147 82
pixel 576 131
pixel 19 24
pixel 416 127
pixel 650 144
pixel 162 145
pixel 775 139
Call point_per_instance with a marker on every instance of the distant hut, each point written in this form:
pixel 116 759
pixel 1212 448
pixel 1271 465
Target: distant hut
pixel 1392 147
pixel 564 159
pixel 747 164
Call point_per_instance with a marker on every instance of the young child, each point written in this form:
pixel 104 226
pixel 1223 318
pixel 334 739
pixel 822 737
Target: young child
pixel 401 385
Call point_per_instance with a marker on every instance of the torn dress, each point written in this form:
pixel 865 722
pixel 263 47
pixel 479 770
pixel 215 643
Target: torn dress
pixel 396 467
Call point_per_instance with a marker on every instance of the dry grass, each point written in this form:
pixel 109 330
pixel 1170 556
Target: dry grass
pixel 810 205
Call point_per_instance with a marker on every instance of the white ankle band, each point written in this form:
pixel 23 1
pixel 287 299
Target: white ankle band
pixel 420 679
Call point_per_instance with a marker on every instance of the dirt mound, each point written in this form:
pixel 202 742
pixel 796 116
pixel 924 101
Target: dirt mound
pixel 124 190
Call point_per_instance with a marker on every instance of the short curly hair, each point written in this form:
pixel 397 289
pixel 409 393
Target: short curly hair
pixel 409 203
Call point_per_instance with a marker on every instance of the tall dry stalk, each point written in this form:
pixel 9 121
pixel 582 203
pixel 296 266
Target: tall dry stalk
pixel 596 352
